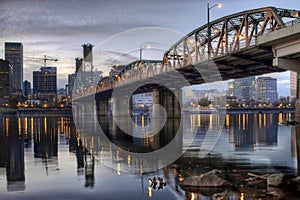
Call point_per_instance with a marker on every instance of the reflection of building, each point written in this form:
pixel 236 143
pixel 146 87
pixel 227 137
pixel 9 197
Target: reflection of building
pixel 45 139
pixel 15 163
pixel 14 54
pixel 265 89
pixel 4 80
pixel 12 153
pixel 253 130
pixel 26 88
pixel 293 83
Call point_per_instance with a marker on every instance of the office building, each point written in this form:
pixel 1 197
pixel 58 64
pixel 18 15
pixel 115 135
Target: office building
pixel 265 89
pixel 243 89
pixel 45 81
pixel 230 88
pixel 13 52
pixel 26 88
pixel 4 80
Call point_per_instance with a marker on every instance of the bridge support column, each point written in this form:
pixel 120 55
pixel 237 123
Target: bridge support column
pixel 297 119
pixel 122 106
pixel 102 106
pixel 170 100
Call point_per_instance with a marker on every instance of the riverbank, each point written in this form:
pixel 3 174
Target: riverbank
pixel 38 112
pixel 241 110
pixel 247 181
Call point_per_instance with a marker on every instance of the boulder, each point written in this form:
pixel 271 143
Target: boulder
pixel 209 179
pixel 275 179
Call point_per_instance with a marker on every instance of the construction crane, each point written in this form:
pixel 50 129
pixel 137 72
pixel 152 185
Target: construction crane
pixel 48 58
pixel 44 59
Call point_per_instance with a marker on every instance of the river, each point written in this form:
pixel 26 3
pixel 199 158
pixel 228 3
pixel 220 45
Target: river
pixel 39 157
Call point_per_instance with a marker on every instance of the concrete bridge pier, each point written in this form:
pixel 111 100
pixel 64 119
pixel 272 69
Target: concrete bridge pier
pixel 170 100
pixel 102 107
pixel 122 107
pixel 297 118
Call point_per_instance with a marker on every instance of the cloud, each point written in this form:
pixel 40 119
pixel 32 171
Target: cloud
pixel 58 28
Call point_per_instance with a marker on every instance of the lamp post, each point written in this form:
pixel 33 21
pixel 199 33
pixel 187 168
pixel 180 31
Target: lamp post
pixel 141 50
pixel 209 28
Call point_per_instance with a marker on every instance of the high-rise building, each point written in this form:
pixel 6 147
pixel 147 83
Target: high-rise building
pixel 26 88
pixel 71 81
pixel 230 88
pixel 293 84
pixel 243 88
pixel 265 89
pixel 13 52
pixel 4 80
pixel 45 81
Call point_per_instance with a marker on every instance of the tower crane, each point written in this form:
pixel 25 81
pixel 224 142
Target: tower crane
pixel 48 58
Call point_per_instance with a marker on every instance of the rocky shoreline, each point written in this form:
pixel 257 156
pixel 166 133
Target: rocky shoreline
pixel 216 179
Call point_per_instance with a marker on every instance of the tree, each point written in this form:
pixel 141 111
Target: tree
pixel 203 102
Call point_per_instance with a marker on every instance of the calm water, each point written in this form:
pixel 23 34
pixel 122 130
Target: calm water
pixel 39 157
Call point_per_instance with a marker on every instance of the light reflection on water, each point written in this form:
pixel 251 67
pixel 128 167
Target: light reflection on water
pixel 40 156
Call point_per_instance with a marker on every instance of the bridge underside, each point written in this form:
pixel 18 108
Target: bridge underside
pixel 244 63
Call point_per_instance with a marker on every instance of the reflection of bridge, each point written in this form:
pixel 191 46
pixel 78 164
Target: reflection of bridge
pixel 248 43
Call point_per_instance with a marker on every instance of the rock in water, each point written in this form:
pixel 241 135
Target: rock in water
pixel 209 179
pixel 275 179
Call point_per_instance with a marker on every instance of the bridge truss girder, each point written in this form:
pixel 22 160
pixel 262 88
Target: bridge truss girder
pixel 229 34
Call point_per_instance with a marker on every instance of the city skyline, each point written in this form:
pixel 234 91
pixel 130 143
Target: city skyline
pixel 62 39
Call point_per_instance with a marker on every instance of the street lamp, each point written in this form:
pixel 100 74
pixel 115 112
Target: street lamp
pixel 218 5
pixel 141 50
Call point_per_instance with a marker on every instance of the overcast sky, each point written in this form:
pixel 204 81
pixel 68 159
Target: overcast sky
pixel 59 28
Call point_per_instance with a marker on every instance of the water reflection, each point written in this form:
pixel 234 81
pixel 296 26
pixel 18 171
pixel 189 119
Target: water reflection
pixel 12 154
pixel 248 138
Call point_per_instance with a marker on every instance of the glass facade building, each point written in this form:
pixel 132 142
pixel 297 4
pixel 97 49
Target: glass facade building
pixel 4 80
pixel 243 88
pixel 266 89
pixel 13 52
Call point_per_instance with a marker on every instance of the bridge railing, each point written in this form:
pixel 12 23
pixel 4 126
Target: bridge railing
pixel 292 23
pixel 228 34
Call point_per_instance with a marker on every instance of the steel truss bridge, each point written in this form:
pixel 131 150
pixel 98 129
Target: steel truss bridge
pixel 233 46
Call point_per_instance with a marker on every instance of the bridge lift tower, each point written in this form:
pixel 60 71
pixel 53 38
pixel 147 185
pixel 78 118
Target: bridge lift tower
pixel 88 67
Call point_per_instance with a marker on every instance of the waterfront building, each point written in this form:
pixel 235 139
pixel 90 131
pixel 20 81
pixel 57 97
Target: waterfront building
pixel 265 89
pixel 4 80
pixel 13 52
pixel 230 91
pixel 243 89
pixel 26 88
pixel 142 100
pixel 45 83
pixel 45 80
